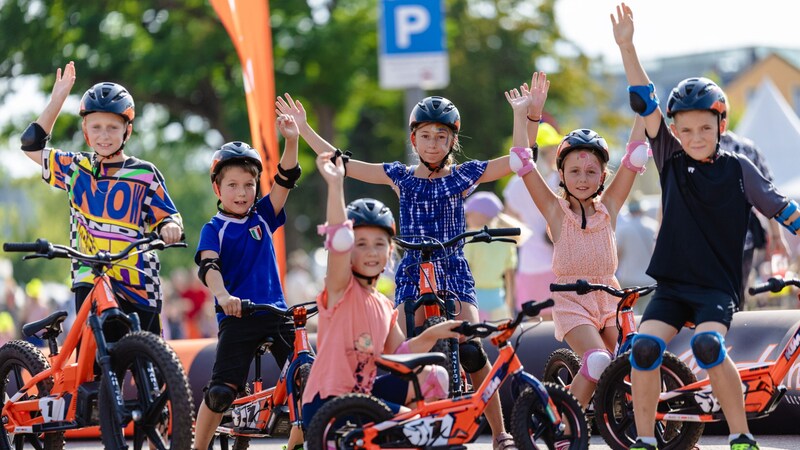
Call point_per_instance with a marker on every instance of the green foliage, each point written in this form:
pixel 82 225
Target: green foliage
pixel 180 64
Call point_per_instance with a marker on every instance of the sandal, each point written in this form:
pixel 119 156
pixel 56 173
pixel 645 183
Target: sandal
pixel 504 441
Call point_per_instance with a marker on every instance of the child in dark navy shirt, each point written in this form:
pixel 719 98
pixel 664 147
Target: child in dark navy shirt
pixel 707 196
pixel 237 262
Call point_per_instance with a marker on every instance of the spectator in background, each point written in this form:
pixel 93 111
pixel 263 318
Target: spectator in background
pixel 299 285
pixel 757 237
pixel 35 308
pixel 191 295
pixel 636 240
pixel 492 264
pixel 535 267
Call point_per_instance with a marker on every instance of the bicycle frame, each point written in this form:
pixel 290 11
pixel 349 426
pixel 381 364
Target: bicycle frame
pixel 455 421
pixel 59 410
pixel 258 413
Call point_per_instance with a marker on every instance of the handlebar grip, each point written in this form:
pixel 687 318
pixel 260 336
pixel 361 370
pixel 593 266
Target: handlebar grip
pixel 772 285
pixel 533 308
pixel 247 308
pixel 566 287
pixel 504 231
pixel 40 246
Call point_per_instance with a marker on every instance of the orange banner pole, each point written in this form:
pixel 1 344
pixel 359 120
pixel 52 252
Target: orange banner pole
pixel 247 23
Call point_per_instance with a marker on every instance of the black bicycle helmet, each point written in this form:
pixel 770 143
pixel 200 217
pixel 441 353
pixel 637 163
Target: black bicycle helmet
pixel 582 138
pixel 693 94
pixel 108 97
pixel 370 212
pixel 233 151
pixel 435 109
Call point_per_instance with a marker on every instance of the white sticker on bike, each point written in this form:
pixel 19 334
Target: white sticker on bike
pixel 52 409
pixel 245 415
pixel 429 431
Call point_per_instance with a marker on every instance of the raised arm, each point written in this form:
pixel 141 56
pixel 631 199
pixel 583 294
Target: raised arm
pixel 636 156
pixel 288 163
pixel 369 173
pixel 32 136
pixel 640 85
pixel 338 272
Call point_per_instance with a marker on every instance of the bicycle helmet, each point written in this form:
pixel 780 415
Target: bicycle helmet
pixel 435 109
pixel 232 151
pixel 694 94
pixel 582 138
pixel 370 212
pixel 108 97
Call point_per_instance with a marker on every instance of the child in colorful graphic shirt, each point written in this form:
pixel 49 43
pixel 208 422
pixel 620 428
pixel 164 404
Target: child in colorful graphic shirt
pixel 114 198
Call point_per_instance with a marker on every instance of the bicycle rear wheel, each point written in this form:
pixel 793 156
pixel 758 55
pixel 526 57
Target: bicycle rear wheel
pixel 613 406
pixel 155 392
pixel 20 360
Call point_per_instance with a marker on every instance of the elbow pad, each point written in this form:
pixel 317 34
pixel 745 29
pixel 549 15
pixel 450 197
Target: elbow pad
pixel 785 214
pixel 643 99
pixel 34 138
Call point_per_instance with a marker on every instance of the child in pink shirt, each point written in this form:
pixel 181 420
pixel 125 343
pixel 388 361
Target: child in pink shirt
pixel 356 322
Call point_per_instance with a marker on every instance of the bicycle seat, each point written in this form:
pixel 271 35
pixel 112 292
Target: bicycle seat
pixel 52 320
pixel 405 364
pixel 264 347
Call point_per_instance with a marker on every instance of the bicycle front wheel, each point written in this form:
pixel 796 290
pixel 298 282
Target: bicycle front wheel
pixel 19 361
pixel 155 392
pixel 339 422
pixel 531 425
pixel 613 405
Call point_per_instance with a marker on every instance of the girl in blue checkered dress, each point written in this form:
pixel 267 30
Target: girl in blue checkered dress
pixel 432 197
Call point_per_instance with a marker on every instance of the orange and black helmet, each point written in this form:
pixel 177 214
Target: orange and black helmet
pixel 108 97
pixel 697 94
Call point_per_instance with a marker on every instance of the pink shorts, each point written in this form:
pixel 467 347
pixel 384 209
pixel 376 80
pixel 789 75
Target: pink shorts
pixel 533 286
pixel 597 309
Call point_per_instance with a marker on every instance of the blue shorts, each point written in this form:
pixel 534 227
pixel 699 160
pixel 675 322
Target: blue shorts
pixel 676 304
pixel 389 388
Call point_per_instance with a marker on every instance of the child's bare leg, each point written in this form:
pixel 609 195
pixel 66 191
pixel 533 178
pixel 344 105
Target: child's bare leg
pixel 206 425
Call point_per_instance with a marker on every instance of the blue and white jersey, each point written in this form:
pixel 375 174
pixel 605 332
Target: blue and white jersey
pixel 247 254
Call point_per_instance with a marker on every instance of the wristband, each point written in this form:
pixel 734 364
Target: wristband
pixel 520 160
pixel 534 120
pixel 636 155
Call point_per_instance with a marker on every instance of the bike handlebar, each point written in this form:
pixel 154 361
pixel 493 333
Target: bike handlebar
pixel 44 249
pixel 482 330
pixel 582 287
pixel 483 235
pixel 249 307
pixel 775 284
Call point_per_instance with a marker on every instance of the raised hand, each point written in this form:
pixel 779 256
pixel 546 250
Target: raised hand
pixel 64 81
pixel 291 107
pixel 518 101
pixel 537 93
pixel 623 24
pixel 330 172
pixel 287 126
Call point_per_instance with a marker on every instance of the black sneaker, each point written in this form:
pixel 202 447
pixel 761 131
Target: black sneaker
pixel 639 445
pixel 744 443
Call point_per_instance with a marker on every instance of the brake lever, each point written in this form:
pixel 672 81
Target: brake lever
pixel 504 239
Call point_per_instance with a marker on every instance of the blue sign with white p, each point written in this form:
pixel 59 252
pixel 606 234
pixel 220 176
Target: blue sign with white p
pixel 412 26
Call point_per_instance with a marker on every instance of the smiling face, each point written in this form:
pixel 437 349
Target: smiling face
pixel 582 173
pixel 105 132
pixel 371 251
pixel 432 141
pixel 236 188
pixel 698 132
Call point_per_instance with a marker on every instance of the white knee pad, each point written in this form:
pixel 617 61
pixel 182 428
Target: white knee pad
pixel 594 363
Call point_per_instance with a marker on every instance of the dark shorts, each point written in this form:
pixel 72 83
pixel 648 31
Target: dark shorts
pixel 391 389
pixel 149 320
pixel 676 304
pixel 239 339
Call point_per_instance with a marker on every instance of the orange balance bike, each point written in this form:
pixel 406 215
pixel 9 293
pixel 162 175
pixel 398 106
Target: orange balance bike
pixel 140 381
pixel 694 404
pixel 563 364
pixel 543 413
pixel 438 305
pixel 273 411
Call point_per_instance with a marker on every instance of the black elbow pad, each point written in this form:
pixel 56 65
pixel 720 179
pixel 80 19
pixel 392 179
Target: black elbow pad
pixel 34 138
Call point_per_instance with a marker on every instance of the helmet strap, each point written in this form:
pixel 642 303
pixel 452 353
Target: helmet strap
pixel 438 166
pixel 369 280
pixel 580 203
pixel 227 213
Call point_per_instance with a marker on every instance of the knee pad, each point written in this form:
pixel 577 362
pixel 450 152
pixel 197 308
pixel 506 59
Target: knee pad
pixel 473 356
pixel 219 397
pixel 437 384
pixel 594 363
pixel 708 348
pixel 647 352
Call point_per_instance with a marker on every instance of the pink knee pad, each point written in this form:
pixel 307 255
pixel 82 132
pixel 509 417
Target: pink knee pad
pixel 437 384
pixel 594 363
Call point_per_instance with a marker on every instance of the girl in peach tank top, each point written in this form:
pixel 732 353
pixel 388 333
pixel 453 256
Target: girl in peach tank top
pixel 581 225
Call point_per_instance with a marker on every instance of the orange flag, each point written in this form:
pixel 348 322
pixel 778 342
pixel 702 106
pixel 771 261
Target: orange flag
pixel 247 23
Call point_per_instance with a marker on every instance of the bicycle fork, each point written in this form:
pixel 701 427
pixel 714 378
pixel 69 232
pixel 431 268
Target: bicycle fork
pixel 110 381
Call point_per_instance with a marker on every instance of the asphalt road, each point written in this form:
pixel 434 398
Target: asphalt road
pixel 783 442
